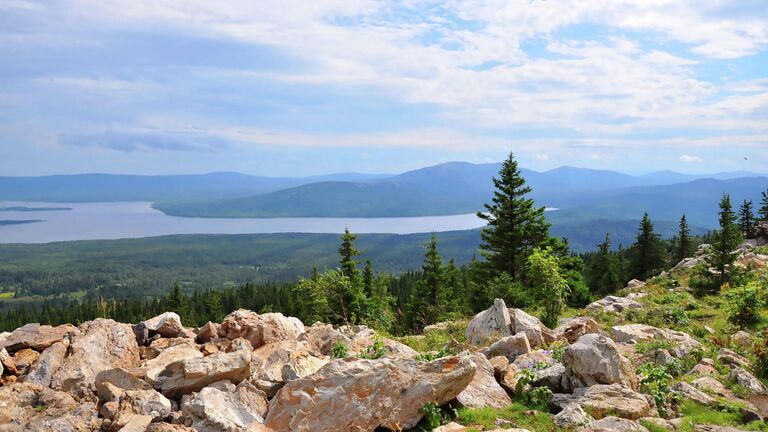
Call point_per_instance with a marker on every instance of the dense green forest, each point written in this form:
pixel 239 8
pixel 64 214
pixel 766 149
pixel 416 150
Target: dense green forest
pixel 356 279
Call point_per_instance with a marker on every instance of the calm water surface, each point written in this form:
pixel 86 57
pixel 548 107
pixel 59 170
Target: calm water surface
pixel 115 220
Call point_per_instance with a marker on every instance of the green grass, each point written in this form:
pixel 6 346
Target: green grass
pixel 520 415
pixel 6 295
pixel 437 339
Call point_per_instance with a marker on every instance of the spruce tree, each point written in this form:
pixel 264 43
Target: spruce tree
pixel 348 253
pixel 515 225
pixel 368 278
pixel 725 241
pixel 604 274
pixel 683 240
pixel 647 254
pixel 747 220
pixel 762 212
pixel 430 289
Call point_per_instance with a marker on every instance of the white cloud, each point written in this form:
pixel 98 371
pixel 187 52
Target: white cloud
pixel 689 159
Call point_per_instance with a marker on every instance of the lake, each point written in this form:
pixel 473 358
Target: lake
pixel 94 221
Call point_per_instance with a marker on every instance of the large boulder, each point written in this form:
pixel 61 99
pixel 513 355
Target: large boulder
pixel 572 416
pixel 682 343
pixel 35 336
pixel 616 400
pixel 261 329
pixel 274 364
pixel 366 337
pixel 111 384
pixel 538 334
pixel 170 355
pixel 490 324
pixel 102 344
pixel 509 347
pixel 192 374
pixel 213 410
pixel 614 424
pixel 167 325
pixel 323 337
pixel 746 380
pixel 362 395
pixel 483 391
pixel 48 363
pixel 595 359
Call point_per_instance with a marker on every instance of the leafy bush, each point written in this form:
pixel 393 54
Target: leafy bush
pixel 433 416
pixel 535 398
pixel 745 304
pixel 652 345
pixel 550 286
pixel 375 351
pixel 340 350
pixel 655 381
pixel 557 350
pixel 434 355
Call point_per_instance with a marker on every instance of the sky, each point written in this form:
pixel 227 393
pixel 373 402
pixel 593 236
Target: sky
pixel 293 88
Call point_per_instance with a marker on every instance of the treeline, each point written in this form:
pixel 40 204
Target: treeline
pixel 520 263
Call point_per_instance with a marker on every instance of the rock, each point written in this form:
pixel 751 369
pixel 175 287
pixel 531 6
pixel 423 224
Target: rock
pixel 551 377
pixel 614 304
pixel 534 359
pixel 366 394
pixel 746 380
pixel 7 363
pixel 538 334
pixel 35 336
pixel 168 427
pixel 137 423
pixel 483 390
pixel 171 355
pixel 741 339
pixel 572 416
pixel 252 398
pixel 24 358
pixel 323 337
pixel 192 374
pixel 167 325
pixel 682 343
pixel 730 357
pixel 489 324
pixel 500 365
pixel 450 427
pixel 146 402
pixel 112 383
pixel 571 329
pixel 714 428
pixel 608 400
pixel 367 337
pixel 214 410
pixel 711 385
pixel 283 361
pixel 207 332
pixel 690 392
pixel 103 344
pixel 83 417
pixel 47 364
pixel 705 366
pixel 510 377
pixel 614 424
pixel 635 284
pixel 664 424
pixel 509 347
pixel 595 359
pixel 261 329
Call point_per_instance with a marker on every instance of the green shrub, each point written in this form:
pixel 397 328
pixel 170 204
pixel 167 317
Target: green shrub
pixel 655 381
pixel 702 282
pixel 652 345
pixel 745 304
pixel 340 350
pixel 433 416
pixel 434 355
pixel 375 351
pixel 557 350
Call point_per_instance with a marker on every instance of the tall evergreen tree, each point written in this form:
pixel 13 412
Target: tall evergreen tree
pixel 683 240
pixel 762 212
pixel 348 253
pixel 368 278
pixel 604 274
pixel 725 240
pixel 647 254
pixel 747 220
pixel 515 225
pixel 431 288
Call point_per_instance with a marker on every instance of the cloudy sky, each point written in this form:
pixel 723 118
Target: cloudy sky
pixel 309 87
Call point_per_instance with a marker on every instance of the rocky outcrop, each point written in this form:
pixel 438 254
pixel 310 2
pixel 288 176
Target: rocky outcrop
pixel 746 380
pixel 274 364
pixel 261 329
pixel 366 337
pixel 681 343
pixel 572 416
pixel 366 394
pixel 614 424
pixel 595 359
pixel 101 345
pixel 323 337
pixel 616 400
pixel 214 410
pixel 483 390
pixel 47 364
